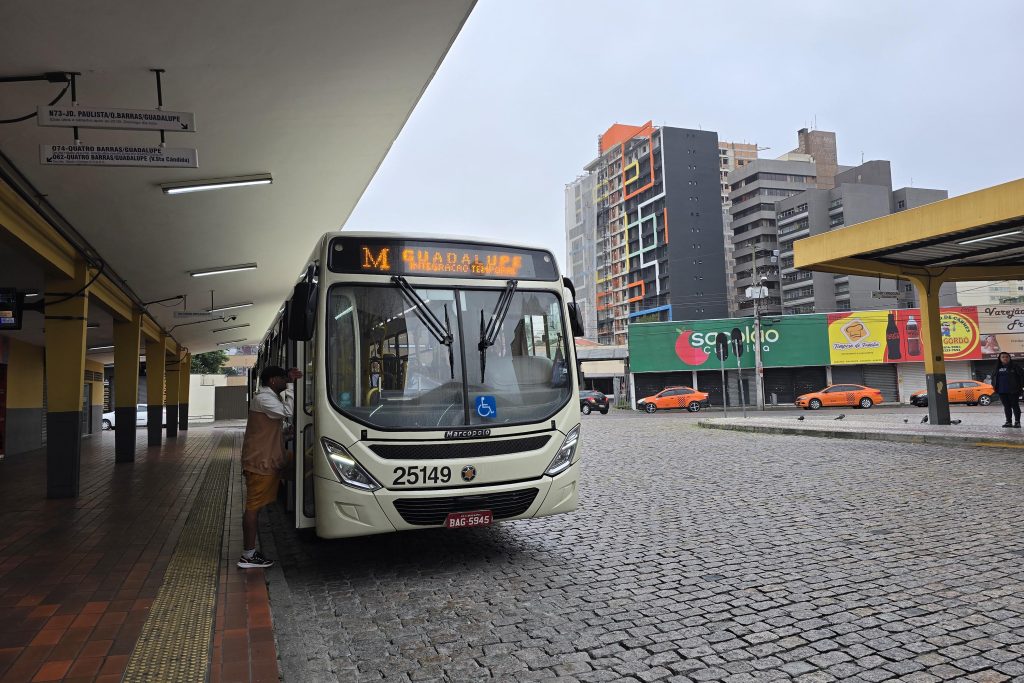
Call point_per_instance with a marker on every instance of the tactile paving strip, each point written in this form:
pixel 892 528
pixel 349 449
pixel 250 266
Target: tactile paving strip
pixel 175 641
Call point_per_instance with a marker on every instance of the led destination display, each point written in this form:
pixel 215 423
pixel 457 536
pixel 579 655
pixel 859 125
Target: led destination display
pixel 439 259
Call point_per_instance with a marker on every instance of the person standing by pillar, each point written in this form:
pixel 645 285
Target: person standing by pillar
pixel 263 454
pixel 1008 380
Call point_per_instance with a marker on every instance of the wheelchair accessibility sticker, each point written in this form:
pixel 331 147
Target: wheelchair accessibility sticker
pixel 486 406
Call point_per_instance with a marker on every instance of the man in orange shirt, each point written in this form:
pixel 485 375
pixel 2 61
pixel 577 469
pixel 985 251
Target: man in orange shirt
pixel 263 454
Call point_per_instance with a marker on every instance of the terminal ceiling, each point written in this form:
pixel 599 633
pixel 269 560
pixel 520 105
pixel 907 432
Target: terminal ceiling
pixel 313 93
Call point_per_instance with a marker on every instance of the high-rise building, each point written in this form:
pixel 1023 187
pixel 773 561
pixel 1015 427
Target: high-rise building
pixel 754 188
pixel 995 293
pixel 581 247
pixel 732 155
pixel 857 194
pixel 820 145
pixel 658 248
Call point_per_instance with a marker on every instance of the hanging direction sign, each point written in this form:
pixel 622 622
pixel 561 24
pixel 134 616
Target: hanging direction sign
pixel 118 155
pixel 119 119
pixel 193 315
pixel 885 295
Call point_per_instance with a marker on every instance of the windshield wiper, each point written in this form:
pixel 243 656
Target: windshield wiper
pixel 489 335
pixel 442 333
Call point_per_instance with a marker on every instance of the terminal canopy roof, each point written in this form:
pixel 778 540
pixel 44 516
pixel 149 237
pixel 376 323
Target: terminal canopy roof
pixel 312 93
pixel 976 236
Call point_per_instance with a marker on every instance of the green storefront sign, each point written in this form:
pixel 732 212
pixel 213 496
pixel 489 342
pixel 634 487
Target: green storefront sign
pixel 786 341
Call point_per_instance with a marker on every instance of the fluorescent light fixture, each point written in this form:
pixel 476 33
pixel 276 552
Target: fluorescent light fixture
pixel 216 184
pixel 92 326
pixel 228 343
pixel 100 348
pixel 32 294
pixel 991 237
pixel 232 327
pixel 228 308
pixel 225 269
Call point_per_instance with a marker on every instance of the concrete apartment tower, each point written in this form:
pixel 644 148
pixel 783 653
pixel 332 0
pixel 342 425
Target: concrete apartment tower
pixel 732 155
pixel 857 194
pixel 754 190
pixel 581 247
pixel 656 251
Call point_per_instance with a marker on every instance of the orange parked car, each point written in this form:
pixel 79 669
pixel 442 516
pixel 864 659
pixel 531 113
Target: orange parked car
pixel 853 395
pixel 674 397
pixel 969 391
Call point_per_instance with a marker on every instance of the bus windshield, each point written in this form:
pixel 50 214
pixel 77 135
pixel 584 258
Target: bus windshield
pixel 419 361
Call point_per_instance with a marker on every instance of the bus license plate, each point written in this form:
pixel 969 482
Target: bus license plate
pixel 463 520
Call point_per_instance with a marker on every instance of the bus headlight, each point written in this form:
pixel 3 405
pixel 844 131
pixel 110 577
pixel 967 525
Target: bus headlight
pixel 348 471
pixel 563 458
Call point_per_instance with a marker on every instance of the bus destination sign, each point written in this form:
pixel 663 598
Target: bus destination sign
pixel 439 259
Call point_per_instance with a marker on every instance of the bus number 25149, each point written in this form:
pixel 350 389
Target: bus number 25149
pixel 410 476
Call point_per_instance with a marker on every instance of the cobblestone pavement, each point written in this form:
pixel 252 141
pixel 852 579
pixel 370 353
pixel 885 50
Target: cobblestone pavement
pixel 696 555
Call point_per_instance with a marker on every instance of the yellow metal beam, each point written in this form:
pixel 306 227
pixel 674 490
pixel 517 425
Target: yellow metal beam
pixel 992 205
pixel 974 273
pixel 855 266
pixel 26 226
pixel 116 301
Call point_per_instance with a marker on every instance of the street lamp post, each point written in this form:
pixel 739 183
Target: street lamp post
pixel 757 293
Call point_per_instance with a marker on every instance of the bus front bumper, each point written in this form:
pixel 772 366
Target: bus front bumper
pixel 342 511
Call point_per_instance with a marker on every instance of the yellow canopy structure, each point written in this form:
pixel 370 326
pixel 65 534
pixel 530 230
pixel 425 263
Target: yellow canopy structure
pixel 976 236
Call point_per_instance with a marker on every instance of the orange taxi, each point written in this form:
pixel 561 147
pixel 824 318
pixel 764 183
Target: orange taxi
pixel 853 395
pixel 969 391
pixel 674 397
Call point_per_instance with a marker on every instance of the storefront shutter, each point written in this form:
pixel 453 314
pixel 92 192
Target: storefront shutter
pixel 883 378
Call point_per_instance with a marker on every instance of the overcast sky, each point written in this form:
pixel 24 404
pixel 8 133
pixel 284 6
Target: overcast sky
pixel 514 112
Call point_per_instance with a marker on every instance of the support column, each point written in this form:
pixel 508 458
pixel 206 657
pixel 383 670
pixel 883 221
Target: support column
pixel 127 336
pixel 67 309
pixel 155 368
pixel 173 388
pixel 185 380
pixel 931 337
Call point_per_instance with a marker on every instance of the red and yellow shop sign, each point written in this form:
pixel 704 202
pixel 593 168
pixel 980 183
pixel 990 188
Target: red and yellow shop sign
pixel 895 336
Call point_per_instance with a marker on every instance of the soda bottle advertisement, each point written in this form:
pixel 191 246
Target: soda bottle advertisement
pixel 894 336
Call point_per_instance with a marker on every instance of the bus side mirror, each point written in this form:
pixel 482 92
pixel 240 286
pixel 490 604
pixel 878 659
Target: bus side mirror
pixel 575 315
pixel 575 320
pixel 301 313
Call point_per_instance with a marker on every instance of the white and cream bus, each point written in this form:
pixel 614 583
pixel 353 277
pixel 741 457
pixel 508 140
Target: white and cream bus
pixel 439 387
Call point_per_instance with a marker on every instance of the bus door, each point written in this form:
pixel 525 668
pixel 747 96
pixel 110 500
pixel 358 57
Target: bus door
pixel 305 439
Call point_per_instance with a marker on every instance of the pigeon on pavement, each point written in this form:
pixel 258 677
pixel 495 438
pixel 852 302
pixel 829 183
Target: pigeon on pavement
pixel 801 417
pixel 924 419
pixel 840 416
pixel 954 422
pixel 905 420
